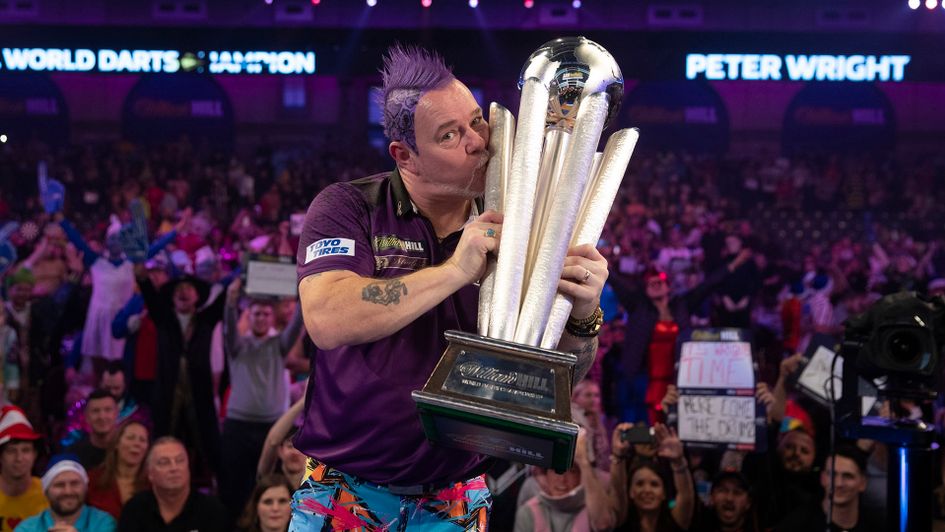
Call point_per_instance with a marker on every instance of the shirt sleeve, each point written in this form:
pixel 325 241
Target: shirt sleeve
pixel 336 234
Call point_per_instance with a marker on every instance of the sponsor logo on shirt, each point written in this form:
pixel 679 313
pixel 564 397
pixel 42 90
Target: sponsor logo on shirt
pixel 329 246
pixel 393 242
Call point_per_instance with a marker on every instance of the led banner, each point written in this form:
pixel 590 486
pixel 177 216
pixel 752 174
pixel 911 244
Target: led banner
pixel 162 61
pixel 760 67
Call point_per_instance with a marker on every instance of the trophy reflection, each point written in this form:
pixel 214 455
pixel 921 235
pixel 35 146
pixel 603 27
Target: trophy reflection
pixel 506 392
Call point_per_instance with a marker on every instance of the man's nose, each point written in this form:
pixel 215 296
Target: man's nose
pixel 477 141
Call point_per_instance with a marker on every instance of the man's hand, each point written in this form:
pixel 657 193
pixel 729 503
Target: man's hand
pixel 233 291
pixel 790 364
pixel 764 395
pixel 480 238
pixel 671 397
pixel 583 278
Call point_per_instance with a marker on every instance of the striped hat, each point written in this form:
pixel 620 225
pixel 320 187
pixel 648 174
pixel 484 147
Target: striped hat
pixel 15 426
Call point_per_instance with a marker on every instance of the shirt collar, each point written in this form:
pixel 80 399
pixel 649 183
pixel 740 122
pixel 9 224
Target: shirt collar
pixel 405 205
pixel 401 197
pixel 82 523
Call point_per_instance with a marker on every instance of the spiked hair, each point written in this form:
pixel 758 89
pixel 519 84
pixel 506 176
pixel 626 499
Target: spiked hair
pixel 408 72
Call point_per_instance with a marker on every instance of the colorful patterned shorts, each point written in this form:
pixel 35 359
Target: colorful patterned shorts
pixel 331 501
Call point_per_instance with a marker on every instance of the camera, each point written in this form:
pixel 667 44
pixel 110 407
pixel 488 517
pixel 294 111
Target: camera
pixel 898 343
pixel 637 434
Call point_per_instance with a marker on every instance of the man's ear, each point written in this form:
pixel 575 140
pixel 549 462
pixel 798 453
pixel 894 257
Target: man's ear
pixel 404 157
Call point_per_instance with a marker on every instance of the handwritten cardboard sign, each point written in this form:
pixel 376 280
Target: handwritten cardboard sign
pixel 715 365
pixel 716 380
pixel 715 419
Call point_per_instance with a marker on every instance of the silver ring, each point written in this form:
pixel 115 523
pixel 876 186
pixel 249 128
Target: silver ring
pixel 490 233
pixel 587 275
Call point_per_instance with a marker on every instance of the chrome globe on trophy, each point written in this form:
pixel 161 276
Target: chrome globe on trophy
pixel 506 392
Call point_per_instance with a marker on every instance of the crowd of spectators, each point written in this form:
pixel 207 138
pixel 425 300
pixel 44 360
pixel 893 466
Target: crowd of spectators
pixel 153 392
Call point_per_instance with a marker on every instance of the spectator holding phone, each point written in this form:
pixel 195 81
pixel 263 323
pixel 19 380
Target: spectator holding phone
pixel 639 492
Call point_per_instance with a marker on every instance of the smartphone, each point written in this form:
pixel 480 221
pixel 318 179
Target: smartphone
pixel 637 434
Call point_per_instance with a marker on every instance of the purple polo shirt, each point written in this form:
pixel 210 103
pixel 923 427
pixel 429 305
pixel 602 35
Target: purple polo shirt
pixel 359 416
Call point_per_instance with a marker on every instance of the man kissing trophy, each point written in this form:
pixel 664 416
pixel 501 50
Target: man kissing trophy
pixel 506 391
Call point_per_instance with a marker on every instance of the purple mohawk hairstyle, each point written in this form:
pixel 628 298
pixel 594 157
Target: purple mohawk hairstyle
pixel 408 72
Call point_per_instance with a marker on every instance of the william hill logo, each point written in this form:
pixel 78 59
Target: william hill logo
pixel 475 370
pixel 521 381
pixel 392 242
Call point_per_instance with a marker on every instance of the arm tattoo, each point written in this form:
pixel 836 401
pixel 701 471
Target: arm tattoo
pixel 387 293
pixel 309 278
pixel 585 359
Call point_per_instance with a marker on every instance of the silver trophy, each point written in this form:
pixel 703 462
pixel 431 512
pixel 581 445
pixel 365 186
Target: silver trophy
pixel 506 392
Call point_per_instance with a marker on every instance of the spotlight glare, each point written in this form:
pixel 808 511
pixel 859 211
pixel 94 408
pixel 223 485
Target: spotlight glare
pixel 931 4
pixel 426 3
pixel 576 4
pixel 473 3
pixel 316 2
pixel 268 2
pixel 3 139
pixel 529 4
pixel 371 3
pixel 914 4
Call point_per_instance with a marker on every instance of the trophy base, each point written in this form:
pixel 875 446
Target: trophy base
pixel 501 399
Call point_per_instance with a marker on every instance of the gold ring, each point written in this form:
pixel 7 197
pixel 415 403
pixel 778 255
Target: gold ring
pixel 587 275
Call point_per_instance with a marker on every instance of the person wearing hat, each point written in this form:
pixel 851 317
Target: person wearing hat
pixel 19 313
pixel 19 286
pixel 65 484
pixel 730 506
pixel 183 404
pixel 112 274
pixel 21 494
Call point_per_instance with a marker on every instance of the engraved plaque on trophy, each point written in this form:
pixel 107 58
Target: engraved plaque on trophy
pixel 502 399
